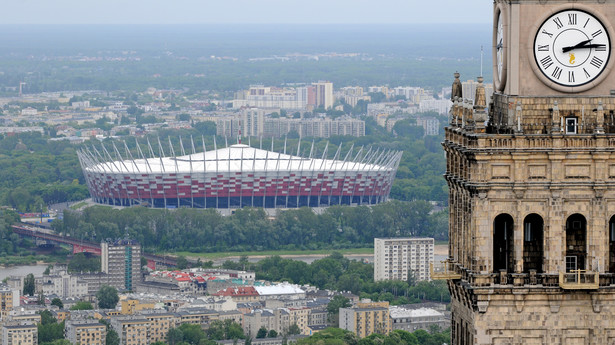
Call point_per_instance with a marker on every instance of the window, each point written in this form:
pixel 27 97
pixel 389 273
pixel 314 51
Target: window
pixel 571 125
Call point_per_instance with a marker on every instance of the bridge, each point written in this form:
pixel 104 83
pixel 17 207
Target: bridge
pixel 81 246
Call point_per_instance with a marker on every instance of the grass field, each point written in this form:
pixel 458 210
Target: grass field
pixel 221 255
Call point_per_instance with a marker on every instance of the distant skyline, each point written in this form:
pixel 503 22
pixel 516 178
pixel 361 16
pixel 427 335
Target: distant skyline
pixel 245 11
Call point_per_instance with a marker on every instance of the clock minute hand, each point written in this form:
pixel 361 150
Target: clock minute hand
pixel 578 45
pixel 593 46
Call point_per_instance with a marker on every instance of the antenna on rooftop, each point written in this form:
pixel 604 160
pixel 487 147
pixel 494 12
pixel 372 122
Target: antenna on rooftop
pixel 481 61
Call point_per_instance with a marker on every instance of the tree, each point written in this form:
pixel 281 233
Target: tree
pixel 47 270
pixel 57 302
pixel 28 285
pixel 182 262
pixel 333 308
pixel 107 297
pixel 294 329
pixel 206 128
pixel 193 334
pixel 272 333
pixel 112 337
pixel 82 305
pixel 262 333
pixel 175 336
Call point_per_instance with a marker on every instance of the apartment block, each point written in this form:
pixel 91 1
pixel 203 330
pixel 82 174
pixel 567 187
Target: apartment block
pixel 132 331
pixel 159 325
pixel 86 332
pixel 24 334
pixel 6 300
pixel 366 318
pixel 402 258
pixel 121 260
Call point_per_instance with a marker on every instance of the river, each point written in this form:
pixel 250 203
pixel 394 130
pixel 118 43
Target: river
pixel 22 270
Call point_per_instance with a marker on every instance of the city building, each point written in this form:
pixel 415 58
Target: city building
pixel 9 298
pixel 20 334
pixel 440 106
pixel 130 306
pixel 233 177
pixel 85 332
pixel 261 96
pixel 159 325
pixel 352 95
pixel 276 319
pixel 319 127
pixel 411 320
pixel 531 182
pixel 121 261
pixel 324 94
pixel 61 284
pixel 131 330
pixel 431 125
pixel 366 318
pixel 469 89
pixel 402 258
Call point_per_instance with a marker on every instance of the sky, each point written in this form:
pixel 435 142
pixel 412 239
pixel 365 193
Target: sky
pixel 245 11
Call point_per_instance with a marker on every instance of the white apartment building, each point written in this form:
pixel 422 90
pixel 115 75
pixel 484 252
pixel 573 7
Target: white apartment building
pixel 440 106
pixel 271 97
pixel 399 258
pixel 324 94
pixel 431 125
pixel 61 284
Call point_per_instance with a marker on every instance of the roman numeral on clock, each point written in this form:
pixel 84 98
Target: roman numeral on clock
pixel 558 22
pixel 597 33
pixel 601 48
pixel 546 62
pixel 587 75
pixel 572 19
pixel 557 72
pixel 544 48
pixel 547 33
pixel 596 62
pixel 571 76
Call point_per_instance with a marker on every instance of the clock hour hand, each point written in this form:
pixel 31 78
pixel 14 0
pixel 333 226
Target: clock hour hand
pixel 578 45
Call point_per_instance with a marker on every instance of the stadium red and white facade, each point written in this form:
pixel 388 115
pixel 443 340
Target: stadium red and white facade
pixel 238 176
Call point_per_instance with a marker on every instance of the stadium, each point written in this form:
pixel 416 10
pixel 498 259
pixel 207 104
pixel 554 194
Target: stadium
pixel 237 176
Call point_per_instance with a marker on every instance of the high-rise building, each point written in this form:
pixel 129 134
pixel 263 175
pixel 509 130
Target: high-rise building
pixel 532 182
pixel 402 258
pixel 121 260
pixel 324 94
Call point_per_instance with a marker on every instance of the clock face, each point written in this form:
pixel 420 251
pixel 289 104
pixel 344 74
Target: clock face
pixel 499 45
pixel 572 48
pixel 499 48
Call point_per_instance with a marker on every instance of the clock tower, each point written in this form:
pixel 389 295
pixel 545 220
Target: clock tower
pixel 532 182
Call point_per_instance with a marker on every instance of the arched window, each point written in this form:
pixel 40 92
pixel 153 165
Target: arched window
pixel 612 245
pixel 533 243
pixel 503 244
pixel 576 239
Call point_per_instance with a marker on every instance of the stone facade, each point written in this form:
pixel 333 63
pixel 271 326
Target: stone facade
pixel 532 191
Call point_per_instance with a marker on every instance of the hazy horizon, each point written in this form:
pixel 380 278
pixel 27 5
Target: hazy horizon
pixel 245 11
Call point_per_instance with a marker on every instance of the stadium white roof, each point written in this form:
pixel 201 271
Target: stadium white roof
pixel 238 158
